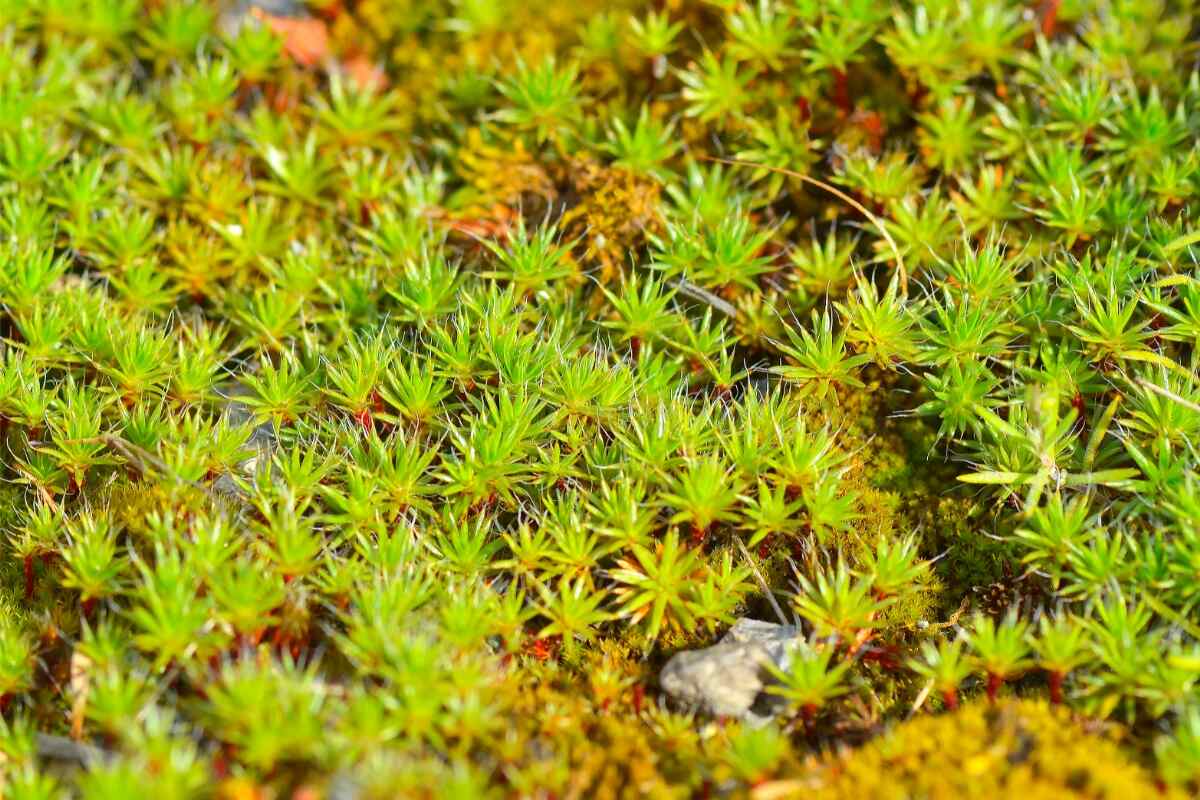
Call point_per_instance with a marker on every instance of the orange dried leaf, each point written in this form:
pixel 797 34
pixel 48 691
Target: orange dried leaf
pixel 305 39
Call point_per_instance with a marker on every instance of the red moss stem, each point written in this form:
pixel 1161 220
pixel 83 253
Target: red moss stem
pixel 841 90
pixel 1055 681
pixel 993 686
pixel 808 713
pixel 1050 17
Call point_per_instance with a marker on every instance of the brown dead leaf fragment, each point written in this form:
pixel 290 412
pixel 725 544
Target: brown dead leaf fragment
pixel 305 39
pixel 494 223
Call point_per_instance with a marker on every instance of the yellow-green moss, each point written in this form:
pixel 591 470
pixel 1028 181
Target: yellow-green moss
pixel 1015 749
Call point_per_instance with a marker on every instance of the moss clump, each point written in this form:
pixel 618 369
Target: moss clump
pixel 425 373
pixel 1016 748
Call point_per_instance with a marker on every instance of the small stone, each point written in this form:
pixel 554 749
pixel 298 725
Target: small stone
pixel 775 638
pixel 729 679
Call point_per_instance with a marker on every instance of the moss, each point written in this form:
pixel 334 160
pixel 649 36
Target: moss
pixel 615 212
pixel 1016 748
pixel 538 362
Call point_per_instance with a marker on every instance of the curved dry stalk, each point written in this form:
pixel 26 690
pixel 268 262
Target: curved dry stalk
pixel 836 192
pixel 762 582
pixel 1167 393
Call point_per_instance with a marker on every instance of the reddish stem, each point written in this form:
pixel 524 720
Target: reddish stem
pixel 841 90
pixel 222 760
pixel 993 686
pixel 804 108
pixel 1050 17
pixel 950 698
pixel 1055 680
pixel 29 577
pixel 766 547
pixel 808 712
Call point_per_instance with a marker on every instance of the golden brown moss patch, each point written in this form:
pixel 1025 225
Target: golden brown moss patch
pixel 1017 748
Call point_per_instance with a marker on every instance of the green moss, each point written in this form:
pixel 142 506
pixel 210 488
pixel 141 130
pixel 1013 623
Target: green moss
pixel 421 374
